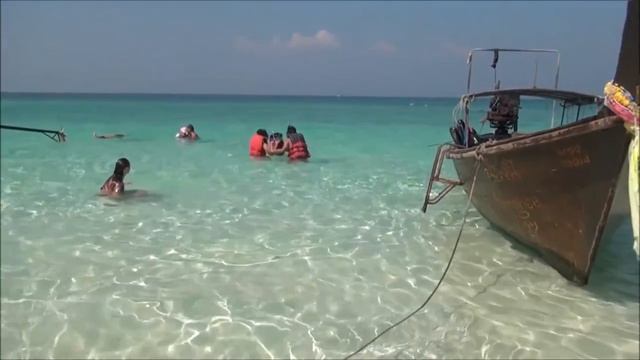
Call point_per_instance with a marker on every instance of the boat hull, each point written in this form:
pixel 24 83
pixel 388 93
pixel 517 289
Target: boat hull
pixel 551 190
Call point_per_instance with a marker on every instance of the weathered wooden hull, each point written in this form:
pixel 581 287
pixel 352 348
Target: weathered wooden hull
pixel 620 212
pixel 550 190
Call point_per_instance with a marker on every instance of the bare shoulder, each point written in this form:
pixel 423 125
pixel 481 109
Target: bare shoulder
pixel 118 187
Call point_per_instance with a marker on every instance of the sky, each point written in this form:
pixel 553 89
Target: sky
pixel 358 48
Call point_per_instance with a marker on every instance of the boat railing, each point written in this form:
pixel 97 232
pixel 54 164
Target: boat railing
pixel 565 99
pixel 496 55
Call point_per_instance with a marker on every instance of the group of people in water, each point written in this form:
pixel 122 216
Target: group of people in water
pixel 261 146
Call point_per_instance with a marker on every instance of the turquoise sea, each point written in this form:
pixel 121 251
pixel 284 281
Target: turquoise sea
pixel 228 257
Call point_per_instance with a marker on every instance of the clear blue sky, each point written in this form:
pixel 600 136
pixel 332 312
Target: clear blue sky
pixel 296 48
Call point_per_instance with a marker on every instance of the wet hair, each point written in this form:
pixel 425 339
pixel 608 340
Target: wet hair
pixel 118 171
pixel 291 130
pixel 277 139
pixel 262 132
pixel 190 127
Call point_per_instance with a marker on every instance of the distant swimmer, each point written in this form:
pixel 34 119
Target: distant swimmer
pixel 108 136
pixel 295 146
pixel 114 185
pixel 187 132
pixel 258 144
pixel 275 143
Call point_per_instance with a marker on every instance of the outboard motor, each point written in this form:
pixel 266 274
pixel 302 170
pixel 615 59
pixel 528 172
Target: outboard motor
pixel 503 115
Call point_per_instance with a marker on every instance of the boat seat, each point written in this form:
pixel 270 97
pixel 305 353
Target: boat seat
pixel 457 134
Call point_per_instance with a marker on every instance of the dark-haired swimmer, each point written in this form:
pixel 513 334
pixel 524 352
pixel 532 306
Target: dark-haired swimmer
pixel 187 132
pixel 114 185
pixel 108 136
pixel 258 144
pixel 275 143
pixel 295 146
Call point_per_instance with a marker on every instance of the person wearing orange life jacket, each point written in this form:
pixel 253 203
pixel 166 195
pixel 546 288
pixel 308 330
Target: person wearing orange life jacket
pixel 295 146
pixel 258 144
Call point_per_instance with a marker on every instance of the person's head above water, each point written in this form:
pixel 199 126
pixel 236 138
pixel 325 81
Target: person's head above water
pixel 276 136
pixel 187 132
pixel 291 130
pixel 122 168
pixel 262 132
pixel 114 185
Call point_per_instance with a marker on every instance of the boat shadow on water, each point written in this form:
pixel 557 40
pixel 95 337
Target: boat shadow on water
pixel 615 273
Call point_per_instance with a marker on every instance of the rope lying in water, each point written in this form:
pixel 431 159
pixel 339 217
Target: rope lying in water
pixel 455 247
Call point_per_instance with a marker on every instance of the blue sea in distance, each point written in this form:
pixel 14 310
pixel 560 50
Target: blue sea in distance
pixel 228 257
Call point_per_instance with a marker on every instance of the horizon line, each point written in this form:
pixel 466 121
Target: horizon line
pixel 218 94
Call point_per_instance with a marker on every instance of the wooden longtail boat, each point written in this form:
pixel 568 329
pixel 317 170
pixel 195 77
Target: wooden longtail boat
pixel 551 190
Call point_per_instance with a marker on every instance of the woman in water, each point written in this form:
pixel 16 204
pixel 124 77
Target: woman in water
pixel 275 143
pixel 295 146
pixel 114 185
pixel 258 144
pixel 187 132
pixel 108 136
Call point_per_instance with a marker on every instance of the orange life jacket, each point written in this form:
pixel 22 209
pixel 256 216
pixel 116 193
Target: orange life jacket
pixel 298 149
pixel 256 147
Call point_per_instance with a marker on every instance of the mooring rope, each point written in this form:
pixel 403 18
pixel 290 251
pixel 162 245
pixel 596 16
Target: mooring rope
pixel 455 247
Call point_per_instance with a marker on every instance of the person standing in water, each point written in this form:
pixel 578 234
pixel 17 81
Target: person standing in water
pixel 187 132
pixel 295 146
pixel 114 185
pixel 258 144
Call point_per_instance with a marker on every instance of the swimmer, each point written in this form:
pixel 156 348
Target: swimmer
pixel 275 143
pixel 108 136
pixel 258 144
pixel 114 185
pixel 187 132
pixel 295 146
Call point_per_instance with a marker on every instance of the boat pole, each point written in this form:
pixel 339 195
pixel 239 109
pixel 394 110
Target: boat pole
pixel 55 135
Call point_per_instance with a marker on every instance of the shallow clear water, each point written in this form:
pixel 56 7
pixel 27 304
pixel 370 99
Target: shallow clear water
pixel 236 258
